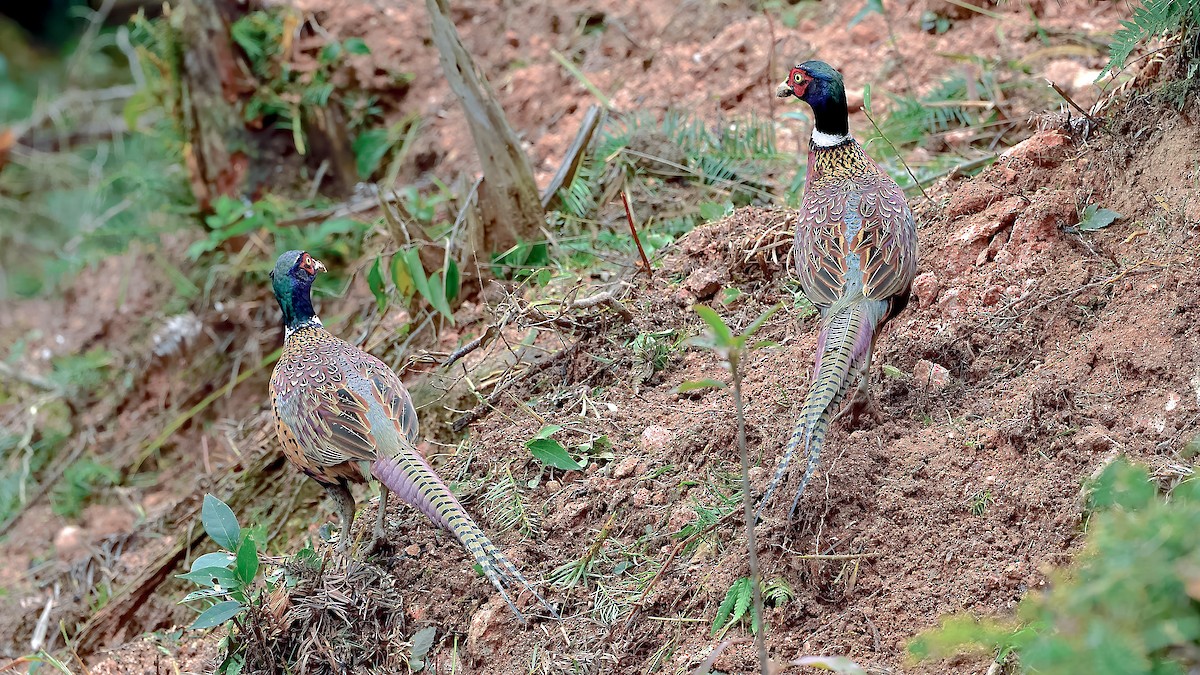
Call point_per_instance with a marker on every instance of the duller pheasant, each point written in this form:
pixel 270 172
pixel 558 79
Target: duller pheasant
pixel 856 255
pixel 343 416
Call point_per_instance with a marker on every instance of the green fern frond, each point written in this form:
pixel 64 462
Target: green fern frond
pixel 502 503
pixel 1154 18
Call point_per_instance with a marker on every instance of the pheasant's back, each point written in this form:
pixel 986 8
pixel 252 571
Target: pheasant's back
pixel 856 232
pixel 335 405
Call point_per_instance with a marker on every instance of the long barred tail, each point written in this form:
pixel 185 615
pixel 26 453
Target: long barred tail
pixel 842 344
pixel 411 478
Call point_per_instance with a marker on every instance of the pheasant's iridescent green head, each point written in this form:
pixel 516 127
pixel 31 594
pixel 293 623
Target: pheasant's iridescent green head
pixel 292 281
pixel 821 87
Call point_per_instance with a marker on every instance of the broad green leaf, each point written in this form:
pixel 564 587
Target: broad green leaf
pixel 1123 485
pixel 375 283
pixel 713 210
pixel 412 258
pixel 422 642
pixel 1095 218
pixel 330 53
pixel 247 561
pixel 369 148
pixel 401 277
pixel 721 333
pixel 203 593
pixel 692 385
pixel 220 523
pixel 218 559
pixel 437 296
pixel 218 614
pixel 547 431
pixel 356 45
pixel 212 577
pixel 551 453
pixel 453 280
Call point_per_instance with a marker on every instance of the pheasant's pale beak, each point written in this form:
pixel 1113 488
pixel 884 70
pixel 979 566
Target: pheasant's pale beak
pixel 319 266
pixel 785 90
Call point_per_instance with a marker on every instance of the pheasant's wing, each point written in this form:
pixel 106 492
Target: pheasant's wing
pixel 820 244
pixel 333 405
pixel 886 242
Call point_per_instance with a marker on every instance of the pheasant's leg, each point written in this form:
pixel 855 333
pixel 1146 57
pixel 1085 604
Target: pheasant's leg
pixel 861 404
pixel 378 538
pixel 344 501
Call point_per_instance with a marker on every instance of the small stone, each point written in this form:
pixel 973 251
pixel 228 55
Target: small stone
pixel 412 550
pixel 68 543
pixel 655 438
pixel 641 498
pixel 682 515
pixel 626 467
pixel 930 374
pixel 485 636
pixel 992 295
pixel 553 486
pixel 950 302
pixel 926 287
pixel 1093 438
pixel 704 283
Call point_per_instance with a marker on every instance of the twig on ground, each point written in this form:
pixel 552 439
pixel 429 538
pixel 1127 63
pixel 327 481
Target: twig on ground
pixel 633 230
pixel 21 376
pixel 1099 124
pixel 481 341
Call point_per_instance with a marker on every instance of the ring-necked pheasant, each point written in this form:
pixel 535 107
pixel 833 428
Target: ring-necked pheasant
pixel 343 416
pixel 856 255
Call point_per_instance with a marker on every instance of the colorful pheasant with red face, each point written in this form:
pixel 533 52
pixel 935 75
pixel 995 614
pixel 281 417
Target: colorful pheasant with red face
pixel 343 416
pixel 856 254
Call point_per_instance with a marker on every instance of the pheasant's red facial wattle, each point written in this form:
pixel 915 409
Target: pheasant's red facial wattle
pixel 799 80
pixel 310 264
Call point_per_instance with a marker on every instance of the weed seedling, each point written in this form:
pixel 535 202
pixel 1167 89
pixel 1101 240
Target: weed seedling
pixel 732 348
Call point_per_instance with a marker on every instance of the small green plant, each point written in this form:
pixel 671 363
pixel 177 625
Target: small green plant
pixel 229 579
pixel 1128 604
pixel 408 278
pixel 1094 218
pixel 506 507
pixel 1154 18
pixel 333 239
pixel 733 608
pixel 652 350
pixel 283 91
pixel 979 502
pixel 732 348
pixel 80 481
pixel 777 592
pixel 550 452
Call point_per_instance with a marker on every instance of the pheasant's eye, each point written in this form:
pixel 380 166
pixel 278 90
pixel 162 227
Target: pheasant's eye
pixel 798 78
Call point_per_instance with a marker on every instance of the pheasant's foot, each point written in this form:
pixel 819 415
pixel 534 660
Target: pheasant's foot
pixel 863 405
